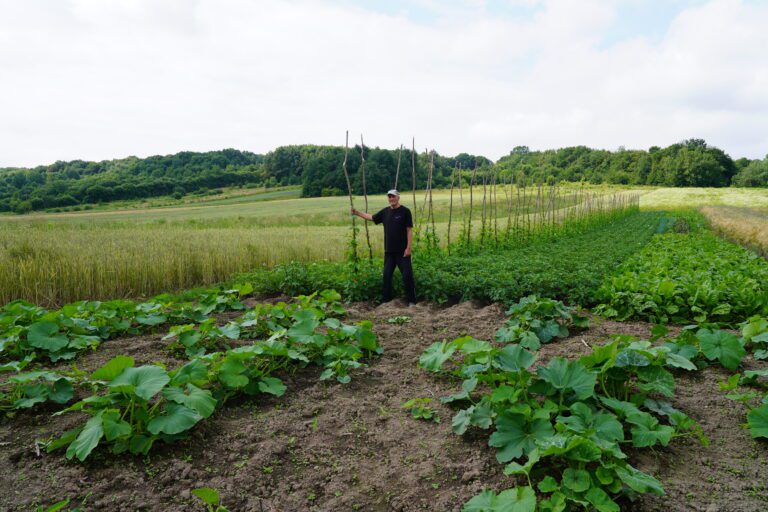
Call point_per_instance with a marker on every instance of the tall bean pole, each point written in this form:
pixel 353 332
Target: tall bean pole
pixel 450 212
pixel 351 205
pixel 431 207
pixel 482 223
pixel 413 175
pixel 461 205
pixel 397 174
pixel 365 195
pixel 471 202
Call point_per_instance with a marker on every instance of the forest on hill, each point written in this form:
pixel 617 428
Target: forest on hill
pixel 691 163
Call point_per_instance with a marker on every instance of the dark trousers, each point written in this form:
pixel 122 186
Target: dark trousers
pixel 392 259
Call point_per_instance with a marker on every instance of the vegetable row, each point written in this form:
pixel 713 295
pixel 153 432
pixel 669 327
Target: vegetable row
pixel 129 408
pixel 563 427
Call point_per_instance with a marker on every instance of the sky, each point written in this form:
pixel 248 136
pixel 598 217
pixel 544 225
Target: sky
pixel 100 79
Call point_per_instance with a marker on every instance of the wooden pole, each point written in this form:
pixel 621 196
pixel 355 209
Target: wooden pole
pixel 494 209
pixel 461 205
pixel 471 202
pixel 482 211
pixel 450 212
pixel 397 174
pixel 353 251
pixel 413 176
pixel 431 206
pixel 365 195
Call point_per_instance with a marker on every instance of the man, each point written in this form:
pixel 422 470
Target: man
pixel 398 238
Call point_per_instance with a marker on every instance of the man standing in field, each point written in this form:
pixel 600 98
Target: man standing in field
pixel 398 237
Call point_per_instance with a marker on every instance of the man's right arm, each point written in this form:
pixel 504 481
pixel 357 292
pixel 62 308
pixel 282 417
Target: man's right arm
pixel 362 215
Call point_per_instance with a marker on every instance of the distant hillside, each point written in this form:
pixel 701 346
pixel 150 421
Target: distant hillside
pixel 78 182
pixel 691 163
pixel 316 168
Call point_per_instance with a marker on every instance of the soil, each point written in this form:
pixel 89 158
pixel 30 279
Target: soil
pixel 325 446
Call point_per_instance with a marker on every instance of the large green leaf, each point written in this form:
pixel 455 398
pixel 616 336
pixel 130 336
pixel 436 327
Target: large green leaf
pixel 272 386
pixel 629 357
pixel 753 327
pixel 144 381
pixel 567 375
pixel 723 346
pixel 177 419
pixel 516 436
pixel 647 431
pixel 602 427
pixel 655 379
pixel 639 481
pixel 194 371
pixel 61 392
pixel 303 331
pixel 623 409
pixel 513 358
pixel 112 368
pixel 679 361
pixel 483 502
pixel 438 353
pixel 208 495
pixel 757 420
pixel 150 319
pixel 197 399
pixel 114 427
pixel 517 499
pixel 87 440
pixel 141 444
pixel 576 480
pixel 45 335
pixel 601 500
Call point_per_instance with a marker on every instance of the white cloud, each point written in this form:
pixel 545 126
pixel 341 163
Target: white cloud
pixel 94 80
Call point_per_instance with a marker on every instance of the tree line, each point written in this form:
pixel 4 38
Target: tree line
pixel 317 169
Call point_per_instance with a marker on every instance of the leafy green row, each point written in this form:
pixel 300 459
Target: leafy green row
pixel 29 332
pixel 563 426
pixel 687 277
pixel 570 268
pixel 133 407
pixel 299 319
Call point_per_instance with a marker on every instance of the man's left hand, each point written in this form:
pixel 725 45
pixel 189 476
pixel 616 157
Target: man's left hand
pixel 407 252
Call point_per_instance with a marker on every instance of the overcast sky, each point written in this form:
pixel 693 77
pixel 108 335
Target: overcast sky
pixel 94 79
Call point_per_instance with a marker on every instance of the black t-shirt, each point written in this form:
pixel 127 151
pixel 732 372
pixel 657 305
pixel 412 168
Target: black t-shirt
pixel 396 221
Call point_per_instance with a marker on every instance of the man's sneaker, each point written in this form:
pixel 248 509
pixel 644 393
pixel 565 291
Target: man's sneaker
pixel 411 304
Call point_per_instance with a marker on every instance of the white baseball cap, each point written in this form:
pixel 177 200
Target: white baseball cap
pixel 393 192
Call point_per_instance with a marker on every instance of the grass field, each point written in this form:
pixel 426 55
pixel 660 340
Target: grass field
pixel 747 227
pixel 665 198
pixel 138 251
